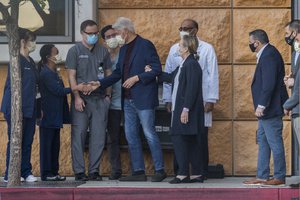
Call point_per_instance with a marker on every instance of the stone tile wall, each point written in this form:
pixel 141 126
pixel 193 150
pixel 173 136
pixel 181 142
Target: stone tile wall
pixel 223 23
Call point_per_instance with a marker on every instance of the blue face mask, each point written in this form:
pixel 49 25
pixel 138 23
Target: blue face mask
pixel 92 39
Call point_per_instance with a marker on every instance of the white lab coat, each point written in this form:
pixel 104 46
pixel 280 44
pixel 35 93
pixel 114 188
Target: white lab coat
pixel 210 75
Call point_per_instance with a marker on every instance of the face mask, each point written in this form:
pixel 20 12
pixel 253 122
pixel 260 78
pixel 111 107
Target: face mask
pixel 31 46
pixel 57 59
pixel 121 41
pixel 290 40
pixel 297 46
pixel 112 43
pixel 92 39
pixel 252 47
pixel 183 33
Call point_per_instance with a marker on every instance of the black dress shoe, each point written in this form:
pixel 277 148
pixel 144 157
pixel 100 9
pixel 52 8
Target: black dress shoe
pixel 199 179
pixel 158 177
pixel 60 178
pixel 177 180
pixel 115 176
pixel 49 178
pixel 295 185
pixel 81 177
pixel 95 177
pixel 138 177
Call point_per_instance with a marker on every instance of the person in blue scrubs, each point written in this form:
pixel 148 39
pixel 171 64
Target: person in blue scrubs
pixel 29 75
pixel 55 112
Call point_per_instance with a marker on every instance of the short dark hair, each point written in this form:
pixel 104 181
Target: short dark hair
pixel 294 25
pixel 86 23
pixel 195 24
pixel 104 29
pixel 260 35
pixel 26 34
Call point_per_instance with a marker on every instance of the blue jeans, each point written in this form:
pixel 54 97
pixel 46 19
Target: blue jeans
pixel 133 118
pixel 269 136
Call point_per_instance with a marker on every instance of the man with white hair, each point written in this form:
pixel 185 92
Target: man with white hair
pixel 139 97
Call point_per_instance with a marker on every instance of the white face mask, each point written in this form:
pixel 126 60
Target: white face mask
pixel 121 41
pixel 31 46
pixel 57 60
pixel 112 43
pixel 183 33
pixel 297 46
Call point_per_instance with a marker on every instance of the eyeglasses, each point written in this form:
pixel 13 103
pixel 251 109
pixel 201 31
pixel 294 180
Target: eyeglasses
pixel 93 33
pixel 185 28
pixel 110 36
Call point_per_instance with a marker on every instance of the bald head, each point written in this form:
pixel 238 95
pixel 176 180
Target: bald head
pixel 189 25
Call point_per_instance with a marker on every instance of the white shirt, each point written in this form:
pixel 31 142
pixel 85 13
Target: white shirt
pixel 210 74
pixel 258 57
pixel 260 52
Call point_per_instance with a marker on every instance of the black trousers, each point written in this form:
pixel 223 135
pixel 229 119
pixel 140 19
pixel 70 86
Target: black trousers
pixel 186 149
pixel 49 151
pixel 113 140
pixel 204 155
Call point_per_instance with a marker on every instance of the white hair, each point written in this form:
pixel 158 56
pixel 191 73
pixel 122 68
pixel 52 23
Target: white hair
pixel 124 23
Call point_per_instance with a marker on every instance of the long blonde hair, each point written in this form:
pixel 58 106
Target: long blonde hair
pixel 191 42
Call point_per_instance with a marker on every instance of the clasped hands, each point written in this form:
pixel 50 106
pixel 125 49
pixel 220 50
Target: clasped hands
pixel 289 81
pixel 88 88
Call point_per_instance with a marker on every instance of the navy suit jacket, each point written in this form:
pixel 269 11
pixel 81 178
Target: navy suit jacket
pixel 54 99
pixel 29 82
pixel 145 92
pixel 268 88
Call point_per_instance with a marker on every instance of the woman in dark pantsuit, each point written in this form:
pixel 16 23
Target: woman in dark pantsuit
pixel 187 122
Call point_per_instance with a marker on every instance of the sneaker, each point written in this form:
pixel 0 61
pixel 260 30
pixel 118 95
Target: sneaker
pixel 95 177
pixel 158 177
pixel 81 177
pixel 5 180
pixel 31 179
pixel 138 177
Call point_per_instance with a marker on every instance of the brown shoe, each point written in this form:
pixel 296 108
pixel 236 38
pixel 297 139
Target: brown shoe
pixel 255 181
pixel 275 182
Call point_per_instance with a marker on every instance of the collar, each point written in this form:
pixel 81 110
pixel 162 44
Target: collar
pixel 260 52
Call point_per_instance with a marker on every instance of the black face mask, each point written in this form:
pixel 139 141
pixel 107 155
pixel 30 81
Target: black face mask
pixel 252 47
pixel 289 40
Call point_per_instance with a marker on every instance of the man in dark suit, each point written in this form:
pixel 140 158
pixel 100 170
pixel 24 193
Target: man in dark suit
pixel 139 97
pixel 268 93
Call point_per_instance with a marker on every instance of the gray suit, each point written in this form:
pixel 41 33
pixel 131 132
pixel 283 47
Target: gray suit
pixel 293 103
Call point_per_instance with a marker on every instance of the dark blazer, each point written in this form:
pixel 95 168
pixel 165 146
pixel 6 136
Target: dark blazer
pixel 54 99
pixel 189 95
pixel 145 92
pixel 268 88
pixel 29 82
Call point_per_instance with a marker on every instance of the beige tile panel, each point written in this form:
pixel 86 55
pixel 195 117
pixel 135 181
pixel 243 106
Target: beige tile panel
pixel 272 21
pixel 242 98
pixel 155 25
pixel 220 145
pixel 223 109
pixel 245 147
pixel 3 75
pixel 161 4
pixel 262 3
